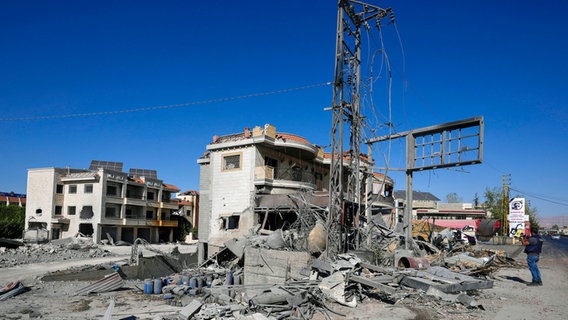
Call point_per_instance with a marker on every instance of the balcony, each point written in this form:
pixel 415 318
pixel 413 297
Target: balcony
pixel 59 219
pixel 169 204
pixel 162 223
pixel 285 177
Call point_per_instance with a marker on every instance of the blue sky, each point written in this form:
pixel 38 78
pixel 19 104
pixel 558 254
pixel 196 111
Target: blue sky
pixel 503 60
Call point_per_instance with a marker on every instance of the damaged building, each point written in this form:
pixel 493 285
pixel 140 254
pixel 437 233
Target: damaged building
pixel 264 179
pixel 102 202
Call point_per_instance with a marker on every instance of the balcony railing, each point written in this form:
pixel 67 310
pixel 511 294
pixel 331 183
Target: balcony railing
pixel 285 173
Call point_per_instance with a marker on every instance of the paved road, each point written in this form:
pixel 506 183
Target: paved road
pixel 517 301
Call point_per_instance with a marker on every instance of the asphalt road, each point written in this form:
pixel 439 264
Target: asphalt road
pixel 555 254
pixel 511 298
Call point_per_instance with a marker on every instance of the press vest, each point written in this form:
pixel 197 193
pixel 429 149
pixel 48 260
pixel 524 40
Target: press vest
pixel 534 247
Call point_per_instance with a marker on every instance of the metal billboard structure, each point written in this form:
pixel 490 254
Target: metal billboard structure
pixel 451 144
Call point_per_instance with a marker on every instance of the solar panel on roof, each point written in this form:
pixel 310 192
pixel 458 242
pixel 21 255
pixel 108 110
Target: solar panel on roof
pixel 153 174
pixel 97 164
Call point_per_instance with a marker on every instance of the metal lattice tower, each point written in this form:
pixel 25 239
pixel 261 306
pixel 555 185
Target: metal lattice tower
pixel 345 202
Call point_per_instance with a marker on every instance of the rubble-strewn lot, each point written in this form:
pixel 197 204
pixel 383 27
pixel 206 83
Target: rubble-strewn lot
pixel 257 278
pixel 55 251
pixel 347 287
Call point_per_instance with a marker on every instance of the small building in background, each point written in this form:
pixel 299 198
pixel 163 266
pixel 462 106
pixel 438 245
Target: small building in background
pixel 188 203
pixel 12 199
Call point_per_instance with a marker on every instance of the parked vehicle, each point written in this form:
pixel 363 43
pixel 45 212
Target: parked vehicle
pixel 555 236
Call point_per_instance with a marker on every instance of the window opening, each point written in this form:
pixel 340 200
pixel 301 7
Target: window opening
pixel 232 162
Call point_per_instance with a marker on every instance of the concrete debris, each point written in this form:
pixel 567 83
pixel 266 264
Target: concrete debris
pixel 12 289
pixel 467 260
pixel 188 311
pixel 236 246
pixel 109 283
pixel 468 301
pixel 334 287
pixel 287 274
pixel 57 250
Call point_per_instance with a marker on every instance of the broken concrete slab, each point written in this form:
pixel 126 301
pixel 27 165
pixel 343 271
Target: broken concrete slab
pixel 446 273
pixel 442 295
pixel 237 246
pixel 275 240
pixel 322 265
pixel 334 287
pixel 468 301
pixel 271 297
pixel 467 260
pixel 373 284
pixel 188 311
pixel 109 283
pixel 265 267
pixel 445 280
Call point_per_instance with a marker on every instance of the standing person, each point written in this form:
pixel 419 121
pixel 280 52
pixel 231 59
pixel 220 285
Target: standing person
pixel 533 247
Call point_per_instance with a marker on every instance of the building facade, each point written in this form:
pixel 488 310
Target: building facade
pixel 260 179
pixel 12 199
pixel 102 202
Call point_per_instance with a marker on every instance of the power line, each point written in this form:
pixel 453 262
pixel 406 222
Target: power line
pixel 100 113
pixel 565 204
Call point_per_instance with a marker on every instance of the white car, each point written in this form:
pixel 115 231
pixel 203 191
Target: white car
pixel 556 236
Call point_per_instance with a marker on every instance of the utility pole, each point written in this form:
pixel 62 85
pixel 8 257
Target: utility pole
pixel 345 203
pixel 505 202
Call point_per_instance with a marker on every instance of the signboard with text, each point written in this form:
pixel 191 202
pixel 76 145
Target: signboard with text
pixel 517 217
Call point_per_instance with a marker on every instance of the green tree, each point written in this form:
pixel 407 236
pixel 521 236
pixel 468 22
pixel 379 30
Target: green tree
pixel 555 227
pixel 453 198
pixel 12 219
pixel 476 201
pixel 494 202
pixel 533 216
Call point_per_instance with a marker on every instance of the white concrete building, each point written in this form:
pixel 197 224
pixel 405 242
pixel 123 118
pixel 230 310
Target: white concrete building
pixel 255 178
pixel 102 202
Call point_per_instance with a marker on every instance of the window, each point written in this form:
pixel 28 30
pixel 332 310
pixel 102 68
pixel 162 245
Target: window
pixel 232 162
pixel 151 196
pixel 110 212
pixel 268 161
pixel 87 212
pixel 86 229
pixel 58 210
pixel 231 222
pixel 89 188
pixel 71 210
pixel 72 188
pixel 271 162
pixel 38 212
pixel 59 188
pixel 112 191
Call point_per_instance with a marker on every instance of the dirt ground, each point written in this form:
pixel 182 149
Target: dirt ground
pixel 509 298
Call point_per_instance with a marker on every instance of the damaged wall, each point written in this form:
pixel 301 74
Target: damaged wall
pixel 230 195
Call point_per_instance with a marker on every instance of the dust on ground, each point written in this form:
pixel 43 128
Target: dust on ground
pixel 509 298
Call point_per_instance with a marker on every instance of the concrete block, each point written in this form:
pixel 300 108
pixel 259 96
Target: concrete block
pixel 188 311
pixel 236 246
pixel 269 267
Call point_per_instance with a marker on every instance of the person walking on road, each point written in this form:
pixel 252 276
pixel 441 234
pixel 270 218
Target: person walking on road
pixel 533 247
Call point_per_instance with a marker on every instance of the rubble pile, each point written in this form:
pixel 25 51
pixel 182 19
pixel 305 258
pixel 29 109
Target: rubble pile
pixel 250 279
pixel 56 250
pixel 290 274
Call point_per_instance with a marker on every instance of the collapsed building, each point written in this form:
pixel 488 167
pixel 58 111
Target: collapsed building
pixel 270 180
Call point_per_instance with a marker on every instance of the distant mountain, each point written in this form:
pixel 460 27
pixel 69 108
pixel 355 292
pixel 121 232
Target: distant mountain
pixel 547 222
